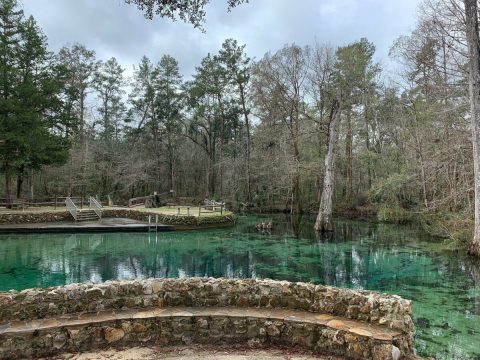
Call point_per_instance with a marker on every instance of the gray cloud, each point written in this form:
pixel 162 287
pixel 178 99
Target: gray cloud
pixel 112 28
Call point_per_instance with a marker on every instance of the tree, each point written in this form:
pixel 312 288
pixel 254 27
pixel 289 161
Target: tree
pixel 473 41
pixel 238 67
pixel 10 47
pixel 280 93
pixel 169 101
pixel 109 82
pixel 156 103
pixel 356 74
pixel 205 99
pixel 81 65
pixel 191 11
pixel 324 217
pixel 352 80
pixel 109 85
pixel 33 122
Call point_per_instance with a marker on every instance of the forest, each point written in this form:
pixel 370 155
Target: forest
pixel 267 134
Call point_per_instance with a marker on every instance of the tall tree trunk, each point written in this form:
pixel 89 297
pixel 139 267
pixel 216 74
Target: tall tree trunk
pixel 324 217
pixel 19 185
pixel 222 129
pixel 471 15
pixel 422 169
pixel 171 166
pixel 247 128
pixel 367 140
pixel 32 194
pixel 296 206
pixel 82 116
pixel 211 192
pixel 211 170
pixel 349 158
pixel 8 187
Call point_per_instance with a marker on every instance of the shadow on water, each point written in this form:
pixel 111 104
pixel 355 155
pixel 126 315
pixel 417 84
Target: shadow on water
pixel 444 285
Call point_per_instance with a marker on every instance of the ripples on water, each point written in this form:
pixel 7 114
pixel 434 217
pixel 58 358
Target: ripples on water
pixel 444 285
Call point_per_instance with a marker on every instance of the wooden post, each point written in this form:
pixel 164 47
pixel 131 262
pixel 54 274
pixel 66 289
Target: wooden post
pixel 188 210
pixel 199 210
pixel 81 203
pixel 55 203
pixel 221 209
pixel 178 211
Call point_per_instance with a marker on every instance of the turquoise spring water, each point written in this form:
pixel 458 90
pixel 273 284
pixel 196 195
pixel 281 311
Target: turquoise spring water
pixel 444 285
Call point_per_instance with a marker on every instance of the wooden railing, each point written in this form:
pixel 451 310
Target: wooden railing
pixel 95 206
pixel 72 208
pixel 52 201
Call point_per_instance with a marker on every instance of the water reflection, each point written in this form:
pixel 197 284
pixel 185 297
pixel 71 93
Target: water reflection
pixel 396 259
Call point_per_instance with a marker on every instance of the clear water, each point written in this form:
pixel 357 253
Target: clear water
pixel 444 285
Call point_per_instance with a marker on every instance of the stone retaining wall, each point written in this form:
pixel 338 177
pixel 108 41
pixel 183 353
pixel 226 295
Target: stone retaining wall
pixel 50 303
pixel 389 310
pixel 34 217
pixel 181 330
pixel 178 221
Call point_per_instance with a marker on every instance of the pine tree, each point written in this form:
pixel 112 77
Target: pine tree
pixel 10 38
pixel 169 102
pixel 32 119
pixel 109 83
pixel 80 64
pixel 238 67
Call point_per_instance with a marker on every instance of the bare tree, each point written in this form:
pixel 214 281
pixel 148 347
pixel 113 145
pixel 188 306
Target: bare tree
pixel 280 91
pixel 324 217
pixel 473 41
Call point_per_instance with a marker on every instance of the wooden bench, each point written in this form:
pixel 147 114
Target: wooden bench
pixel 213 205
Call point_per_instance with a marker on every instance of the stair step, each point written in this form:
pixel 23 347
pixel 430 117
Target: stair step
pixel 193 323
pixel 87 215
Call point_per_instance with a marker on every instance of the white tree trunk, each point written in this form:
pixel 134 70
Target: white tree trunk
pixel 324 217
pixel 471 15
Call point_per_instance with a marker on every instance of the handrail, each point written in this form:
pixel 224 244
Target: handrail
pixel 72 208
pixel 95 205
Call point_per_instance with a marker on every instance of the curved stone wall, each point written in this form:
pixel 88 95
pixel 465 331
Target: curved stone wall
pixel 389 310
pixel 204 310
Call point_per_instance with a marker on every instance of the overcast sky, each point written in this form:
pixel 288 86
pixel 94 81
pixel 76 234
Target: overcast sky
pixel 112 28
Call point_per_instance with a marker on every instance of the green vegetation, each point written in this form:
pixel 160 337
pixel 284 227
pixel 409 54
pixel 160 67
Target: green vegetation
pixel 34 110
pixel 253 133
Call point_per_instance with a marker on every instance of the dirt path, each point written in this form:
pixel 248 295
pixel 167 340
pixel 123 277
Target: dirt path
pixel 197 353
